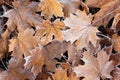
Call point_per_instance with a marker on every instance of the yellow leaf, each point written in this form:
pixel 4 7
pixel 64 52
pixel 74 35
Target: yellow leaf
pixel 50 8
pixel 48 30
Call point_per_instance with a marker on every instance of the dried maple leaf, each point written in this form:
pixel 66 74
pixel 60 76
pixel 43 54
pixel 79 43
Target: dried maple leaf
pixel 116 72
pixel 73 55
pixel 116 23
pixel 23 43
pixel 23 15
pixel 97 3
pixel 54 51
pixel 8 2
pixel 70 6
pixel 48 30
pixel 50 8
pixel 106 13
pixel 61 74
pixel 116 40
pixel 4 41
pixel 80 29
pixel 16 72
pixel 44 74
pixel 94 68
pixel 35 61
pixel 3 48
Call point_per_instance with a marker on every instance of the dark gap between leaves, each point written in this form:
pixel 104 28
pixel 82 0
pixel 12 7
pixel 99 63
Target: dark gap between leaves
pixel 94 10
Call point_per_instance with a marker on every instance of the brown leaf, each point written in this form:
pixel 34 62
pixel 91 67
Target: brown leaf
pixel 116 40
pixel 106 13
pixel 23 43
pixel 16 72
pixel 53 51
pixel 44 75
pixel 23 15
pixel 116 23
pixel 35 60
pixel 3 49
pixel 73 55
pixel 72 6
pixel 8 2
pixel 61 74
pixel 4 45
pixel 94 68
pixel 97 3
pixel 116 72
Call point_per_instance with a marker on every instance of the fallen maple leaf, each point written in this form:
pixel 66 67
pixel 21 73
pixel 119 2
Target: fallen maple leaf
pixel 116 40
pixel 70 6
pixel 97 3
pixel 47 30
pixel 23 15
pixel 94 68
pixel 50 8
pixel 62 74
pixel 54 51
pixel 35 61
pixel 80 29
pixel 16 71
pixel 44 74
pixel 23 43
pixel 116 72
pixel 3 46
pixel 116 23
pixel 106 13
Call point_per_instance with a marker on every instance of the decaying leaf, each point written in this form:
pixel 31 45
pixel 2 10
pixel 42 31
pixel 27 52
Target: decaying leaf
pixel 50 8
pixel 116 39
pixel 3 48
pixel 16 72
pixel 116 71
pixel 49 31
pixel 54 51
pixel 94 68
pixel 44 74
pixel 80 29
pixel 35 60
pixel 97 3
pixel 23 43
pixel 70 6
pixel 35 43
pixel 23 15
pixel 116 23
pixel 61 74
pixel 106 13
pixel 73 55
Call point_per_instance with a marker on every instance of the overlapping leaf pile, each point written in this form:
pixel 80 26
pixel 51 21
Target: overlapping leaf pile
pixel 60 40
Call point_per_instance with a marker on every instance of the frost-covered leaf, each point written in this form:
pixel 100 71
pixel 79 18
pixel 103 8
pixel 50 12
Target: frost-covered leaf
pixel 23 15
pixel 94 68
pixel 16 71
pixel 80 29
